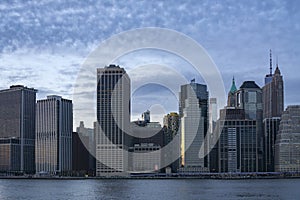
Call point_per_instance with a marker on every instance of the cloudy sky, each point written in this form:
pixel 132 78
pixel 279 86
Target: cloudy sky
pixel 44 43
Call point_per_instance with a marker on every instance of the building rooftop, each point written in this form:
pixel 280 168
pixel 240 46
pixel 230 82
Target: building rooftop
pixel 249 84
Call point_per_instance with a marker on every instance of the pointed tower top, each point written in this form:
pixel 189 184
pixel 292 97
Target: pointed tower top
pixel 233 86
pixel 277 70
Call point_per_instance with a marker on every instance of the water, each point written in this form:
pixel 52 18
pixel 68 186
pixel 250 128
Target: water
pixel 149 189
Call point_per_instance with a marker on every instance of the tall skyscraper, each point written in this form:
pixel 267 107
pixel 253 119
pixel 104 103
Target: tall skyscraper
pixel 113 117
pixel 240 144
pixel 193 113
pixel 287 148
pixel 273 97
pixel 273 105
pixel 54 127
pixel 17 132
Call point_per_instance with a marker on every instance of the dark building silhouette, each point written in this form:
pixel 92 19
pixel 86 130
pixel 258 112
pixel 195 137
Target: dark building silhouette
pixel 87 136
pixel 17 129
pixel 80 155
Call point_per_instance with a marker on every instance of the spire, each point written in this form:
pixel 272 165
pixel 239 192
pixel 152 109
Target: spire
pixel 270 62
pixel 277 71
pixel 233 86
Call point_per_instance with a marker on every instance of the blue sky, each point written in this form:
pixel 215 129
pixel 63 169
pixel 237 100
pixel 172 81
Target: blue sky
pixel 44 43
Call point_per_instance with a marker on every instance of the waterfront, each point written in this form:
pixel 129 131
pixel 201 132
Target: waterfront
pixel 26 189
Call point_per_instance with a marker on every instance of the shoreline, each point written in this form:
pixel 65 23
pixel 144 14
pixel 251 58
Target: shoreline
pixel 149 178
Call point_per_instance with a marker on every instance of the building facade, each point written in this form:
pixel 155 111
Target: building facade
pixel 17 133
pixel 239 148
pixel 113 117
pixel 54 127
pixel 287 147
pixel 273 105
pixel 193 113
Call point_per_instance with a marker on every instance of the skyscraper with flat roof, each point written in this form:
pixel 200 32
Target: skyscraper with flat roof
pixel 193 113
pixel 54 127
pixel 113 117
pixel 17 132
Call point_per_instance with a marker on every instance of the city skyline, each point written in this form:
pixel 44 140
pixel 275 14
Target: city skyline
pixel 53 43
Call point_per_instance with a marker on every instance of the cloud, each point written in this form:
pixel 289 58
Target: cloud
pixel 44 43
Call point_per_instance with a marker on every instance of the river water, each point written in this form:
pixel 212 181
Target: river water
pixel 25 189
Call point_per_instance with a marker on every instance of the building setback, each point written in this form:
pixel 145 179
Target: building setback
pixel 54 124
pixel 287 147
pixel 17 132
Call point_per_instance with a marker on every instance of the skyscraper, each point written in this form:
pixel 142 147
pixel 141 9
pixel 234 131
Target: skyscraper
pixel 287 147
pixel 193 113
pixel 239 148
pixel 54 127
pixel 273 105
pixel 17 132
pixel 113 117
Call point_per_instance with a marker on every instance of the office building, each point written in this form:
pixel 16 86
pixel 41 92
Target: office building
pixel 113 117
pixel 273 103
pixel 239 148
pixel 17 133
pixel 193 113
pixel 287 147
pixel 54 124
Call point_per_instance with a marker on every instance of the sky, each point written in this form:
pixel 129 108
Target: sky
pixel 43 44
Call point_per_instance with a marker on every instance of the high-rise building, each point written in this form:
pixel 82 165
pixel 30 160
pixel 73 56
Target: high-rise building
pixel 54 127
pixel 17 132
pixel 193 113
pixel 273 105
pixel 113 117
pixel 239 148
pixel 238 145
pixel 287 147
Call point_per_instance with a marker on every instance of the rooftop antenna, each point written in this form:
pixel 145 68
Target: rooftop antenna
pixel 270 62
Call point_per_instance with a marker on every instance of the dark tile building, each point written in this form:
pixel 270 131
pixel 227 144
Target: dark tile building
pixel 17 132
